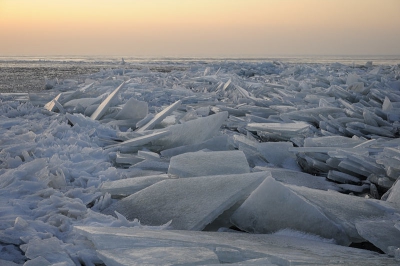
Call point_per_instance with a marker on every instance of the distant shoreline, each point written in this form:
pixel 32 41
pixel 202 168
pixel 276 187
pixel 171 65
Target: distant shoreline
pixel 323 59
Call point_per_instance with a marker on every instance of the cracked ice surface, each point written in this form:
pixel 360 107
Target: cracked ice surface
pixel 306 157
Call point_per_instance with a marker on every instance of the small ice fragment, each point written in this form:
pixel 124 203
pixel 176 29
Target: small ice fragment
pixel 394 196
pixel 352 78
pixel 387 105
pixel 52 104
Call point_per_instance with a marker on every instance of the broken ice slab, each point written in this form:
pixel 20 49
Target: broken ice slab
pixel 237 248
pixel 129 186
pixel 311 115
pixel 230 110
pixel 348 188
pixel 160 116
pixel 154 165
pixel 332 141
pixel 296 178
pixel 281 131
pixel 84 102
pixel 159 256
pixel 340 177
pixel 140 140
pixel 102 109
pixel 258 111
pixel 191 203
pixel 382 233
pixel 219 143
pixel 371 130
pixel 330 214
pixel 278 154
pixel 191 132
pixel 201 163
pixel 133 110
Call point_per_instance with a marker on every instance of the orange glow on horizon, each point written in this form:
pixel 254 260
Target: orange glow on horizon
pixel 199 28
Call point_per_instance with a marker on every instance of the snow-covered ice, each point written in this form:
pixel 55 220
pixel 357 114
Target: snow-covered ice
pixel 130 166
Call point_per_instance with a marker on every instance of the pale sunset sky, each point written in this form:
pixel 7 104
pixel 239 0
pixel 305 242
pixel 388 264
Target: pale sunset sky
pixel 204 28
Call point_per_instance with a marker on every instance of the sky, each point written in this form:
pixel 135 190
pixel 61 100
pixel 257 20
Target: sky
pixel 199 28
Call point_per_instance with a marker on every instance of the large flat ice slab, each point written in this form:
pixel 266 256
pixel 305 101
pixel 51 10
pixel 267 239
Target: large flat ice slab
pixel 191 203
pixel 208 163
pixel 236 248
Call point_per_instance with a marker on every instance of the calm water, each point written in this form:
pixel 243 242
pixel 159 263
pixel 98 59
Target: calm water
pixel 27 73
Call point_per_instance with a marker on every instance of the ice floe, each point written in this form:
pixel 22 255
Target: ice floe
pixel 215 162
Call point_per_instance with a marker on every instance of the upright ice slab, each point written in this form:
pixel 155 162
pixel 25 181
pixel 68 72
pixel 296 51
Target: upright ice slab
pixel 191 203
pixel 101 110
pixel 200 163
pixel 160 116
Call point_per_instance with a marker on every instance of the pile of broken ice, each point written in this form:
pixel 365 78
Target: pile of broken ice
pixel 222 162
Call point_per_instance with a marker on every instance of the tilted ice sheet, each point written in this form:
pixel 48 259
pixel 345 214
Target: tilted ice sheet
pixel 218 143
pixel 128 186
pixel 191 132
pixel 191 203
pixel 381 233
pixel 274 206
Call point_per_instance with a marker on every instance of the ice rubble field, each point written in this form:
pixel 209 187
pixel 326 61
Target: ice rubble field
pixel 221 162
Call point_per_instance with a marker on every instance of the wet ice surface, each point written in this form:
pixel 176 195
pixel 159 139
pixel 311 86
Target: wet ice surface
pixel 291 163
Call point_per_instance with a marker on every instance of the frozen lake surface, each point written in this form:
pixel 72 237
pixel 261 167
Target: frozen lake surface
pixel 199 162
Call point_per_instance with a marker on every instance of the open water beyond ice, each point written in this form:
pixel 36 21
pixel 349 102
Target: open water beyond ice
pixel 199 162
